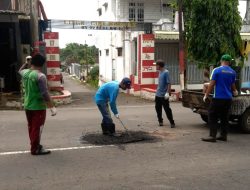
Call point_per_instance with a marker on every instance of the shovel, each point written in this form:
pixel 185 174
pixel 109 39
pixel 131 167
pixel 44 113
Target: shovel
pixel 124 126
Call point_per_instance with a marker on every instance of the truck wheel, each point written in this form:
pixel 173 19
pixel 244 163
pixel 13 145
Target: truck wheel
pixel 204 117
pixel 245 121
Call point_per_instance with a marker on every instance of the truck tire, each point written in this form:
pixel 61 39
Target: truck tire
pixel 245 121
pixel 204 118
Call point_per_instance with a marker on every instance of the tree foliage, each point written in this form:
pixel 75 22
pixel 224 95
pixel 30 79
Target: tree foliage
pixel 79 53
pixel 94 73
pixel 212 28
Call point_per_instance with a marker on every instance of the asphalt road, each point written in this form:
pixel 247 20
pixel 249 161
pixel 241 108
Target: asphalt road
pixel 81 158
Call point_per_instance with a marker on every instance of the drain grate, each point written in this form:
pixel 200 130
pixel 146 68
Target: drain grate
pixel 124 138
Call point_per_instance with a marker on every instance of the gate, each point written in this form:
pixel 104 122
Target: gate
pixel 169 52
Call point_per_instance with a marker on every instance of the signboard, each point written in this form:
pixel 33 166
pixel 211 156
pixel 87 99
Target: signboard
pixel 101 25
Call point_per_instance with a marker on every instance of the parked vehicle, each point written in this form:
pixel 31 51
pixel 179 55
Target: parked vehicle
pixel 239 112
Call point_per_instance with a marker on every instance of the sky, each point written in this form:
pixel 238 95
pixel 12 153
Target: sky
pixel 82 10
pixel 72 10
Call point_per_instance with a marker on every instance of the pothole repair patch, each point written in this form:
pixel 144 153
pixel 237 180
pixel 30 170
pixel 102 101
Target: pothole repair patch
pixel 123 138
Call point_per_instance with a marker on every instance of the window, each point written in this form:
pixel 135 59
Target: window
pixel 119 52
pixel 140 12
pixel 136 12
pixel 107 52
pixel 100 52
pixel 106 6
pixel 131 11
pixel 99 11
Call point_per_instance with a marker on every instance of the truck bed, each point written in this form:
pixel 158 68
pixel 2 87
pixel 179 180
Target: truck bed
pixel 193 99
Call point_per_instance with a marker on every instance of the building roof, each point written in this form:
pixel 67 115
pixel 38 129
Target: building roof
pixel 245 36
pixel 165 35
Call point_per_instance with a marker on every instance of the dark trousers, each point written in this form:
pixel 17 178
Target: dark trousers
pixel 106 116
pixel 36 120
pixel 219 110
pixel 107 123
pixel 162 102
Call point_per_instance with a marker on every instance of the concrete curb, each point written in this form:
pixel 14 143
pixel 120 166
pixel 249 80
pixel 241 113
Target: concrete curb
pixel 65 98
pixel 149 94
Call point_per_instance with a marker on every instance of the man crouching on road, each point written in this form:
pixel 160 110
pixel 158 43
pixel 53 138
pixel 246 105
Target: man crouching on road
pixel 36 96
pixel 105 95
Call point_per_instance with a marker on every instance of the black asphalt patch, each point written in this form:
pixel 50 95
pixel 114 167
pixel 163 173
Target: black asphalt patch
pixel 131 137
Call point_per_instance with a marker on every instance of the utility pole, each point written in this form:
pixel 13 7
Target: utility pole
pixel 34 20
pixel 182 64
pixel 247 15
pixel 86 58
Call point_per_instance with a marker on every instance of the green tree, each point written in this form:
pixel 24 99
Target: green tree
pixel 212 28
pixel 94 76
pixel 94 73
pixel 79 53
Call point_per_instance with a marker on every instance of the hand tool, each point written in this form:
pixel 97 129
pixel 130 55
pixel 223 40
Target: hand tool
pixel 123 126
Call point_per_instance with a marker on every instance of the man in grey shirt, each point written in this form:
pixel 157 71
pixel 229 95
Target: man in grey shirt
pixel 162 94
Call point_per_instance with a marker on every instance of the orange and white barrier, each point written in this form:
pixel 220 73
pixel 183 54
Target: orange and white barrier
pixel 53 60
pixel 146 69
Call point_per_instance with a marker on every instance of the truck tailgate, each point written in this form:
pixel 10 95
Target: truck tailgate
pixel 194 99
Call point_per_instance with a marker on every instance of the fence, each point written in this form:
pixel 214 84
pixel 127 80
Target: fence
pixel 195 75
pixel 245 74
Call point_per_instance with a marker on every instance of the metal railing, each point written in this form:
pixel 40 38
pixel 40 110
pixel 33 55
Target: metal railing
pixel 195 75
pixel 245 74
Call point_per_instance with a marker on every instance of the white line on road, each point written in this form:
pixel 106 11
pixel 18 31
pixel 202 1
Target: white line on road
pixel 54 149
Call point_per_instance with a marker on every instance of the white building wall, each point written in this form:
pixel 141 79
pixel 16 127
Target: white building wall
pixel 103 45
pixel 118 10
pixel 108 13
pixel 120 68
pixel 106 39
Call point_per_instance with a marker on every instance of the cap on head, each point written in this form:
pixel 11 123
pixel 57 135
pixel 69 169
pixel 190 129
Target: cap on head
pixel 226 57
pixel 127 82
pixel 28 57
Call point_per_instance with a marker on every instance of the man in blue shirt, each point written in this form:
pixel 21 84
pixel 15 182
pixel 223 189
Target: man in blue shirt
pixel 105 95
pixel 162 94
pixel 222 81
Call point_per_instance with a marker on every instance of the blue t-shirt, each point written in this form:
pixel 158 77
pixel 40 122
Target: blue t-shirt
pixel 163 82
pixel 224 77
pixel 108 92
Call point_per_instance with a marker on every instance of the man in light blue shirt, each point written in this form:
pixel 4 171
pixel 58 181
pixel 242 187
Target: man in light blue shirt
pixel 105 96
pixel 162 94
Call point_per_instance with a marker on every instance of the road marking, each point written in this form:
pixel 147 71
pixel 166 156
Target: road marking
pixel 54 149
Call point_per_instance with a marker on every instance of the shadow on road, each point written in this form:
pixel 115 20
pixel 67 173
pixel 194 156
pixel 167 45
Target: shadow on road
pixel 233 128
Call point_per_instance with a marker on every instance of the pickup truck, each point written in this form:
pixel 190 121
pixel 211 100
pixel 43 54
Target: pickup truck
pixel 239 112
